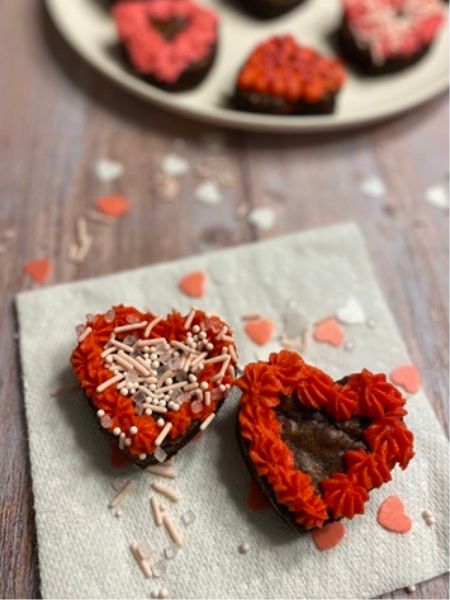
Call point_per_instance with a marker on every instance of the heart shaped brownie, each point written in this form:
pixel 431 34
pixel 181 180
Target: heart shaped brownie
pixel 316 446
pixel 170 44
pixel 154 382
pixel 283 77
pixel 385 36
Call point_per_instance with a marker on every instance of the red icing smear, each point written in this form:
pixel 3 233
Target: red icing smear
pixel 255 498
pixel 391 28
pixel 365 394
pixel 281 67
pixel 149 51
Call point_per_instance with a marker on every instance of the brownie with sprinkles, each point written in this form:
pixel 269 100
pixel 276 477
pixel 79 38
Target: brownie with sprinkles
pixel 154 382
pixel 386 36
pixel 172 45
pixel 316 446
pixel 270 9
pixel 282 77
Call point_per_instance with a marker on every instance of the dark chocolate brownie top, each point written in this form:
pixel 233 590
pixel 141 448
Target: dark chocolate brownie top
pixel 317 441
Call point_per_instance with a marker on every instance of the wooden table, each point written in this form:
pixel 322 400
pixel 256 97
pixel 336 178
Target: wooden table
pixel 59 116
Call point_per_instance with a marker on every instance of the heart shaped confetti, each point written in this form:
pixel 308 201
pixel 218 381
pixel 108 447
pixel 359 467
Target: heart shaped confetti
pixel 408 377
pixel 108 170
pixel 351 313
pixel 194 284
pixel 392 516
pixel 113 206
pixel 328 536
pixel 329 331
pixel 260 331
pixel 286 403
pixel 39 269
pixel 154 382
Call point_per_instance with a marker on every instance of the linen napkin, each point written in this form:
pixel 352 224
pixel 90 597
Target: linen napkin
pixel 84 549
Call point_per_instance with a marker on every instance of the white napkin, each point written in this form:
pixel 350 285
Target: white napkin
pixel 84 550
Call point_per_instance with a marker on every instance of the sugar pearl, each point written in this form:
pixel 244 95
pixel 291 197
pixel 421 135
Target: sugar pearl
pixel 196 329
pixel 100 413
pixel 209 346
pixel 148 412
pixel 192 378
pixel 204 385
pixel 117 431
pixel 169 381
pixel 124 391
pixel 160 422
pixel 153 356
pixel 202 335
pixel 142 456
pixel 244 548
pixel 133 430
pixel 128 441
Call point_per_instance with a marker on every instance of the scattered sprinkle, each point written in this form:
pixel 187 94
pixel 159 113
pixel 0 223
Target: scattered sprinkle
pixel 113 206
pixel 188 518
pixel 351 312
pixel 263 218
pixel 172 530
pixel 156 509
pixel 260 331
pixel 162 471
pixel 194 284
pixel 207 421
pixel 244 548
pixel 411 589
pixel 174 165
pixel 329 536
pixel 208 192
pixel 166 491
pixel 163 593
pixel 373 187
pixel 120 496
pixel 437 196
pixel 108 170
pixel 142 562
pixel 428 517
pixel 392 516
pixel 329 331
pixel 38 269
pixel 408 377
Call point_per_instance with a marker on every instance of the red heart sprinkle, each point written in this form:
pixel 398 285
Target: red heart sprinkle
pixel 408 377
pixel 39 269
pixel 329 536
pixel 113 206
pixel 392 516
pixel 194 284
pixel 260 331
pixel 329 331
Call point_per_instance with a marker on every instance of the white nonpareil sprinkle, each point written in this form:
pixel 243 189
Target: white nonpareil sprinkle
pixel 437 196
pixel 174 165
pixel 208 192
pixel 108 170
pixel 244 548
pixel 263 218
pixel 373 187
pixel 411 589
pixel 163 593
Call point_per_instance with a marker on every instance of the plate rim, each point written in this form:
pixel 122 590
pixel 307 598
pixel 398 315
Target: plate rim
pixel 219 116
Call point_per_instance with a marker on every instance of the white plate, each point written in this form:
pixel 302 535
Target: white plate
pixel 89 28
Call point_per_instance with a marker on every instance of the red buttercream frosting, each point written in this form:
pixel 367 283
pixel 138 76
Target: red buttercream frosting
pixel 392 28
pixel 281 67
pixel 362 395
pixel 149 51
pixel 89 367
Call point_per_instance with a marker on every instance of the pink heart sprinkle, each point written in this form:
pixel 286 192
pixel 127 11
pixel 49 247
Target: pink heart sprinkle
pixel 408 377
pixel 329 331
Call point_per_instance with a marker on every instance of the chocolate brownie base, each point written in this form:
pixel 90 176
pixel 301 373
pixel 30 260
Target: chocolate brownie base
pixel 318 444
pixel 188 80
pixel 269 9
pixel 256 102
pixel 361 58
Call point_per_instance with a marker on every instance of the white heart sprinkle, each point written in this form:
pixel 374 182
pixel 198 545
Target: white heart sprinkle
pixel 263 218
pixel 174 165
pixel 373 187
pixel 208 192
pixel 351 313
pixel 108 170
pixel 437 196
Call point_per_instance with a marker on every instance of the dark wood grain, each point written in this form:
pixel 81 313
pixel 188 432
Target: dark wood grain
pixel 58 116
